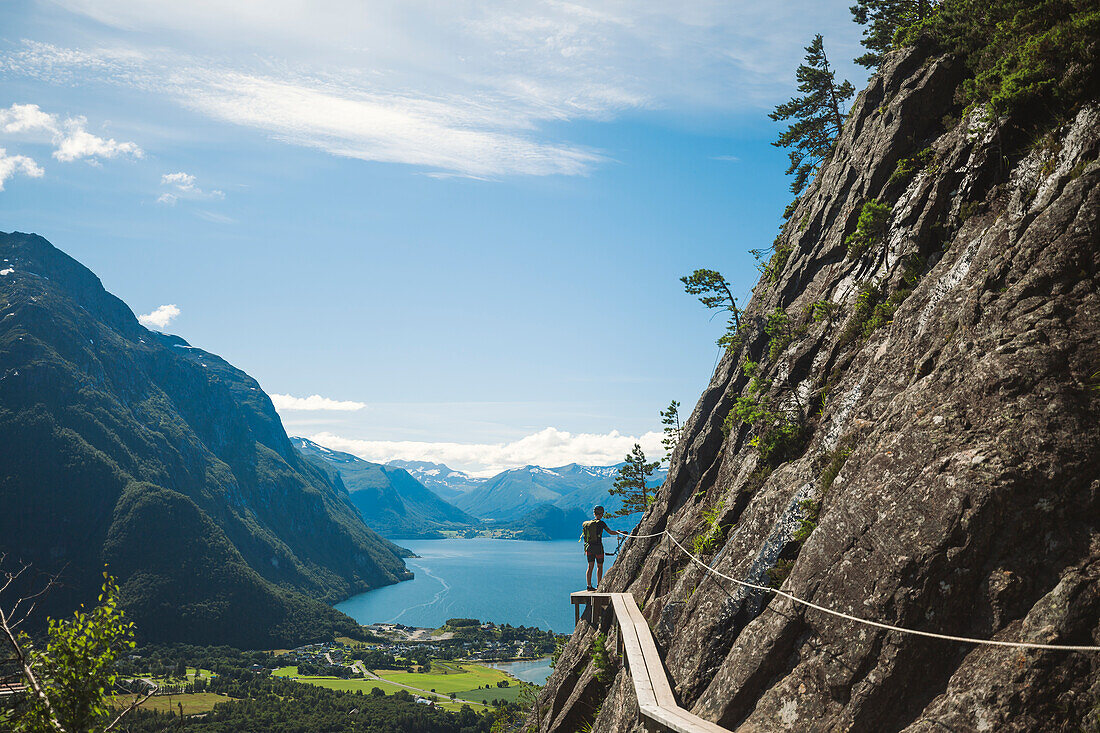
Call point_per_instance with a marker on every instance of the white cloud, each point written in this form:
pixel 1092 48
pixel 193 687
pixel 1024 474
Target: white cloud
pixel 727 158
pixel 548 447
pixel 313 403
pixel 183 185
pixel 478 90
pixel 11 165
pixel 161 317
pixel 182 181
pixel 76 143
pixel 70 138
pixel 26 118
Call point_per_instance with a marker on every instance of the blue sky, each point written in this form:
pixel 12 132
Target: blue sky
pixel 460 225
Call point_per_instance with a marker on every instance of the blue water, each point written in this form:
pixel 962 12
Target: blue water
pixel 536 671
pixel 504 581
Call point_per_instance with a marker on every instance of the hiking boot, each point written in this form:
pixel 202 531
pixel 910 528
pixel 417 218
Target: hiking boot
pixel 590 588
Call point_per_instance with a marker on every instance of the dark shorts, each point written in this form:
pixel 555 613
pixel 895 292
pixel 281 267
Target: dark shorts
pixel 594 552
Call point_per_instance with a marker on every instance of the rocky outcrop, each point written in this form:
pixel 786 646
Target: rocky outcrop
pixel 946 376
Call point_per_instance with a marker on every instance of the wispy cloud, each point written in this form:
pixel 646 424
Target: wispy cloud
pixel 183 186
pixel 727 158
pixel 285 402
pixel 454 89
pixel 548 447
pixel 11 165
pixel 70 137
pixel 382 127
pixel 161 317
pixel 215 217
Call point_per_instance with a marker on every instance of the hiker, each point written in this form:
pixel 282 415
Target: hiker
pixel 592 533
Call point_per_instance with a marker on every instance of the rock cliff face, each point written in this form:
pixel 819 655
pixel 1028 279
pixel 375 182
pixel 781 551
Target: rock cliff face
pixel 947 473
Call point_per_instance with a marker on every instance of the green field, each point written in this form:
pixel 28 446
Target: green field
pixel 202 702
pixel 445 677
pixel 192 673
pixel 335 683
pixel 449 677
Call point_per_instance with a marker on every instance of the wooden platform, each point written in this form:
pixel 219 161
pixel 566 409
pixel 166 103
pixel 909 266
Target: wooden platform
pixel 658 705
pixel 592 601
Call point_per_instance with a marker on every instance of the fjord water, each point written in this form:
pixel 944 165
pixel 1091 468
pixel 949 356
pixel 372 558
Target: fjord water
pixel 504 581
pixel 536 671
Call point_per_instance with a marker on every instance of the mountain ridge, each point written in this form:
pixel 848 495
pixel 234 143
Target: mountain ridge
pixel 122 444
pixel 446 482
pixel 514 492
pixel 388 498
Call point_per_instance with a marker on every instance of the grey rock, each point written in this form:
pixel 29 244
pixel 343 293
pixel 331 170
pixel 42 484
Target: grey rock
pixel 970 502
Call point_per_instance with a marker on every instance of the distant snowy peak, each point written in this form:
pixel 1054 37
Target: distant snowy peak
pixel 309 447
pixel 442 479
pixel 545 471
pixel 601 471
pixel 515 492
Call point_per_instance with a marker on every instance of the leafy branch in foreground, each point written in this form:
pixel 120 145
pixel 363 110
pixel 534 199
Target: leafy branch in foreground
pixel 714 292
pixel 69 681
pixel 817 114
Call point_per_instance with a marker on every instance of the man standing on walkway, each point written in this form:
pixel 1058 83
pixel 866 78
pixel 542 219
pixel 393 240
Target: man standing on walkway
pixel 592 534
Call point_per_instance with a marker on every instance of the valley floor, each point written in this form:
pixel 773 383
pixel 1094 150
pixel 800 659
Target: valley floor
pixel 465 680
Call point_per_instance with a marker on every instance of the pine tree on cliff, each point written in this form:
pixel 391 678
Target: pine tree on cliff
pixel 883 18
pixel 631 483
pixel 817 114
pixel 670 418
pixel 714 292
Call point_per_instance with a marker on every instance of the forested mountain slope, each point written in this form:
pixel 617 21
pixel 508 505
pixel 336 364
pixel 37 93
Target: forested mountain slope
pixel 130 448
pixel 389 499
pixel 926 414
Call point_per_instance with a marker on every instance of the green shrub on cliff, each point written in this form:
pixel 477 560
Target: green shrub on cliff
pixel 1021 54
pixel 601 660
pixel 908 167
pixel 778 433
pixel 778 328
pixel 708 541
pixel 870 228
pixel 778 573
pixel 882 19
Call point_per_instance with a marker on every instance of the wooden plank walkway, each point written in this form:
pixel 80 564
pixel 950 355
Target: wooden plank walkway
pixel 655 699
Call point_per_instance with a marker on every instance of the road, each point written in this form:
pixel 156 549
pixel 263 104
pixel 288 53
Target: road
pixel 367 674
